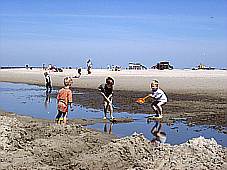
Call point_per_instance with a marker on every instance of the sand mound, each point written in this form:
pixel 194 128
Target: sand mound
pixel 37 145
pixel 136 152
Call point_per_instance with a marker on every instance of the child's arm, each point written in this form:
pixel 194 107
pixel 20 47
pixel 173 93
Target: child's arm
pixel 71 106
pixel 70 99
pixel 142 100
pixel 147 97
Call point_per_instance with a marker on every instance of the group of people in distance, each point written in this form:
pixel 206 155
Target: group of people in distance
pixel 64 98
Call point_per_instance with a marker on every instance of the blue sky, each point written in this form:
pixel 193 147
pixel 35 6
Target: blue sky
pixel 68 32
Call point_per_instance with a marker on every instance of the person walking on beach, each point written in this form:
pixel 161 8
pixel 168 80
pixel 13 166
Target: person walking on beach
pixel 48 83
pixel 89 66
pixel 159 136
pixel 64 98
pixel 79 71
pixel 106 91
pixel 159 97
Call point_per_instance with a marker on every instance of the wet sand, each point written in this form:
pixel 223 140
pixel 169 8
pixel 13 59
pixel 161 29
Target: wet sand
pixel 202 109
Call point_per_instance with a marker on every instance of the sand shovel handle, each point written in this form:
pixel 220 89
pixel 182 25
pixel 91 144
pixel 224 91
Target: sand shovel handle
pixel 106 97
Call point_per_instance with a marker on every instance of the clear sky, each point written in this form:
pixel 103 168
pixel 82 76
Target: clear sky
pixel 68 32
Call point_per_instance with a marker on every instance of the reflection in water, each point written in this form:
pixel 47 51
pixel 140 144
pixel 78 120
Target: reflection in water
pixel 47 101
pixel 105 129
pixel 159 135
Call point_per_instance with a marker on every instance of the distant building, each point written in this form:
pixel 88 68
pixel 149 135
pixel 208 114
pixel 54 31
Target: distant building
pixel 136 66
pixel 163 65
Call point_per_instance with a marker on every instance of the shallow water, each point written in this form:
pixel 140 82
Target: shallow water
pixel 32 101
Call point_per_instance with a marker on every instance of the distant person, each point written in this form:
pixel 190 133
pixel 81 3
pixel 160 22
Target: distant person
pixel 89 66
pixel 44 67
pixel 159 97
pixel 48 83
pixel 64 98
pixel 79 71
pixel 107 93
pixel 159 136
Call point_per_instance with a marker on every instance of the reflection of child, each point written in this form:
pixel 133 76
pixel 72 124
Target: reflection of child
pixel 159 136
pixel 105 129
pixel 47 100
pixel 64 99
pixel 159 96
pixel 107 92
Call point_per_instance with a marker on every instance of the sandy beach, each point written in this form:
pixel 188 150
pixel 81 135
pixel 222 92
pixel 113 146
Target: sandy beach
pixel 192 81
pixel 197 95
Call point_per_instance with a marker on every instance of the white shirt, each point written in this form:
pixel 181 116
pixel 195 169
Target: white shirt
pixel 159 95
pixel 48 80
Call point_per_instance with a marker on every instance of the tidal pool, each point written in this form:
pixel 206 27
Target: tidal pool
pixel 32 101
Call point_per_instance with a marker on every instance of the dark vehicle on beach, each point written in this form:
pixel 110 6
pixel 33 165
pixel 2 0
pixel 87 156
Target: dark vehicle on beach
pixel 59 70
pixel 163 65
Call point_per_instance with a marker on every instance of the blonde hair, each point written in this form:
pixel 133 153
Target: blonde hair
pixel 155 82
pixel 68 81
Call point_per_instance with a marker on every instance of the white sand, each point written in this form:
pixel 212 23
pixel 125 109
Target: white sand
pixel 136 80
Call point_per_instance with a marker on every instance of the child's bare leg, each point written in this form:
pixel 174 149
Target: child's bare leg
pixel 105 109
pixel 155 109
pixel 160 110
pixel 65 119
pixel 58 121
pixel 111 110
pixel 159 106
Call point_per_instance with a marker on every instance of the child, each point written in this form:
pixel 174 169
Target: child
pixel 64 99
pixel 159 96
pixel 48 82
pixel 107 93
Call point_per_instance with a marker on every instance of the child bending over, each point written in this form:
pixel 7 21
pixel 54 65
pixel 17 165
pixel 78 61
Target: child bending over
pixel 159 97
pixel 107 93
